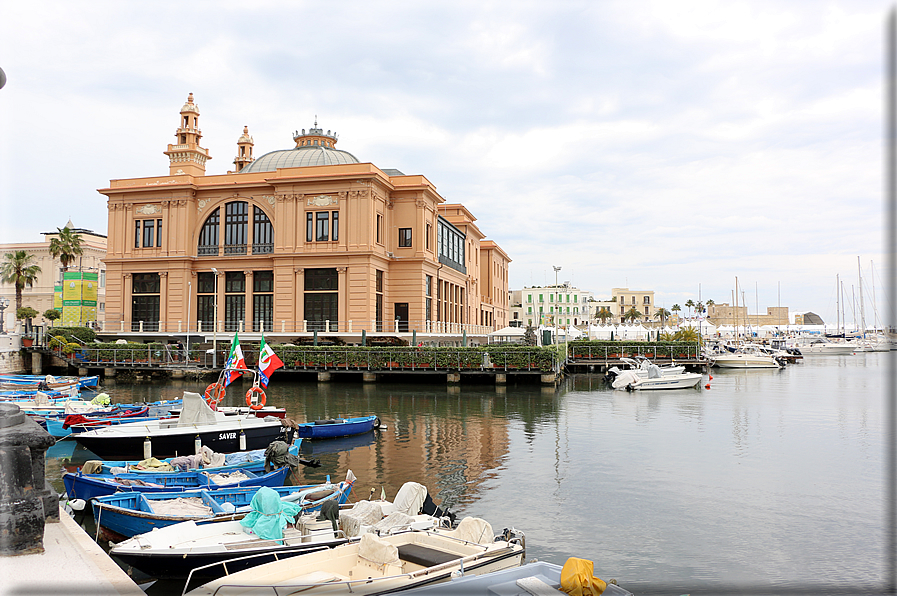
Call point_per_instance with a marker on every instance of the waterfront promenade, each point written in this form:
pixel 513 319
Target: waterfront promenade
pixel 72 564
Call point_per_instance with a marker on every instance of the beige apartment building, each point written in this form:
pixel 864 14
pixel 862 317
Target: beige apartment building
pixel 298 240
pixel 640 300
pixel 46 292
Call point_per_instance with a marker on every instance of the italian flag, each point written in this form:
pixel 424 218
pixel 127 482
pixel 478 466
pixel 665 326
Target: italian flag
pixel 235 360
pixel 268 363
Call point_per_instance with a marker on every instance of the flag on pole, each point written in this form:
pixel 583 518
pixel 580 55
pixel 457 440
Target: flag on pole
pixel 268 363
pixel 235 360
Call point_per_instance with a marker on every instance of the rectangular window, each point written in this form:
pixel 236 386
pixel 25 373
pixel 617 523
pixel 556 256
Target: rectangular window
pixel 335 226
pixel 262 312
pixel 429 231
pixel 529 310
pixel 322 226
pixel 148 227
pixel 647 300
pixel 428 285
pixel 379 283
pixel 540 298
pixel 159 232
pixel 263 281
pixel 318 280
pixel 102 278
pixel 529 298
pixel 404 237
pixel 379 226
pixel 234 282
pixel 429 309
pixel 137 234
pixel 309 226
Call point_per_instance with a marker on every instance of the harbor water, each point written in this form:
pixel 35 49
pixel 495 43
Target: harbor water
pixel 768 481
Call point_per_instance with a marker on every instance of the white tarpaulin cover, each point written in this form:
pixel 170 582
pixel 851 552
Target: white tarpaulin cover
pixel 410 498
pixel 363 513
pixel 376 550
pixel 474 529
pixel 195 411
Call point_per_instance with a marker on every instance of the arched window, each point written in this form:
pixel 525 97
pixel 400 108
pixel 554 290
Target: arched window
pixel 262 233
pixel 236 227
pixel 236 231
pixel 208 236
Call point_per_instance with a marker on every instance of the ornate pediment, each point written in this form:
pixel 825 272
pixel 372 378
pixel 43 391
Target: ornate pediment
pixel 322 201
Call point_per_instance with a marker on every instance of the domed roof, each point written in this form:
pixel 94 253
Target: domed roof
pixel 300 157
pixel 314 148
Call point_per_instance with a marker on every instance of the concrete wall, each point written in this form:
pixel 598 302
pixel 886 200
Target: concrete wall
pixel 10 354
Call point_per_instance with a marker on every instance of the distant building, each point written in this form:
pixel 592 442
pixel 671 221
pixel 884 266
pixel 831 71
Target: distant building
pixel 725 314
pixel 49 291
pixel 640 300
pixel 807 318
pixel 549 305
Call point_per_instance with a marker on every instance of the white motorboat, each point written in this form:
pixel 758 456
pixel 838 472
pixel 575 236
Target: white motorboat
pixel 169 437
pixel 379 564
pixel 537 577
pixel 819 347
pixel 631 380
pixel 746 357
pixel 172 552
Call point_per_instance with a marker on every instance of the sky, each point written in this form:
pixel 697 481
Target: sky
pixel 666 146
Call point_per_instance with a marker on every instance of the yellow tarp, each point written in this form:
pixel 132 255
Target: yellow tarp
pixel 578 579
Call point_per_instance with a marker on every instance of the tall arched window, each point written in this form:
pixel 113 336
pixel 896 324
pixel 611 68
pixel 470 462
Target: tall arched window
pixel 262 233
pixel 208 236
pixel 236 227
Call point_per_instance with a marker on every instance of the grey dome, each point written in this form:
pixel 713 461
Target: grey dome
pixel 315 155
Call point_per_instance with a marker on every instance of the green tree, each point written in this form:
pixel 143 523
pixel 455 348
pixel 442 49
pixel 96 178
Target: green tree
pixel 632 314
pixel 676 309
pixel 687 334
pixel 690 304
pixel 20 269
pixel 66 246
pixel 52 314
pixel 662 314
pixel 604 314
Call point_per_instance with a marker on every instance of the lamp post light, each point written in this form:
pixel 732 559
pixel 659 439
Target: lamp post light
pixel 556 269
pixel 215 321
pixel 4 302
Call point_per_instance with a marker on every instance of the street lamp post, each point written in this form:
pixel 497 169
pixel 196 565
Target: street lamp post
pixel 4 302
pixel 556 269
pixel 215 321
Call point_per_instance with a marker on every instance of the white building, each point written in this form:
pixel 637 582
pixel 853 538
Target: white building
pixel 549 305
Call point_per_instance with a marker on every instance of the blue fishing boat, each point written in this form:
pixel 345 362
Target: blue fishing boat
pixel 89 486
pixel 253 460
pixel 338 427
pixel 131 513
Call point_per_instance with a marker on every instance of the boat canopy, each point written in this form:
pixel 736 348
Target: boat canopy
pixel 195 411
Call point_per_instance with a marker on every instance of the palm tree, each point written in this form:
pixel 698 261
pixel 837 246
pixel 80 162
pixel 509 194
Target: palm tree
pixel 676 308
pixel 688 334
pixel 19 268
pixel 699 308
pixel 66 246
pixel 604 314
pixel 662 313
pixel 709 303
pixel 690 304
pixel 632 314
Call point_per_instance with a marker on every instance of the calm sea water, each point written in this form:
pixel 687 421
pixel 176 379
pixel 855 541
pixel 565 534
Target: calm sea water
pixel 769 481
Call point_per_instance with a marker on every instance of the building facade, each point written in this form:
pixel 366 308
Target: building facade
pixel 546 305
pixel 301 240
pixel 640 300
pixel 726 314
pixel 84 290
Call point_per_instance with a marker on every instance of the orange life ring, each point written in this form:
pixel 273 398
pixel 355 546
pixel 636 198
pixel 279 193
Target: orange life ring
pixel 261 401
pixel 214 394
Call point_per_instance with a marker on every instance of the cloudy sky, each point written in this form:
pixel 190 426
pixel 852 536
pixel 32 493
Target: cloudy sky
pixel 671 146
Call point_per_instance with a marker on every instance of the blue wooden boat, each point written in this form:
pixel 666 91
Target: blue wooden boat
pixel 253 460
pixel 89 486
pixel 62 425
pixel 339 427
pixel 132 513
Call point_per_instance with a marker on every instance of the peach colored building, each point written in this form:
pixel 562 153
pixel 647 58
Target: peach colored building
pixel 295 241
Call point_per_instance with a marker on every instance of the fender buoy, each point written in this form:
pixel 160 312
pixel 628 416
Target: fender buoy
pixel 707 386
pixel 214 394
pixel 261 402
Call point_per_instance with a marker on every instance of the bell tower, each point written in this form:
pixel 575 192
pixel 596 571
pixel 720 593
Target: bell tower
pixel 244 150
pixel 186 156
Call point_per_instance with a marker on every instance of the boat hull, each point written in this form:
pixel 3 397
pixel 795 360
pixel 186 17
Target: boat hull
pixel 344 427
pixel 87 486
pixel 121 513
pixel 748 362
pixel 219 438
